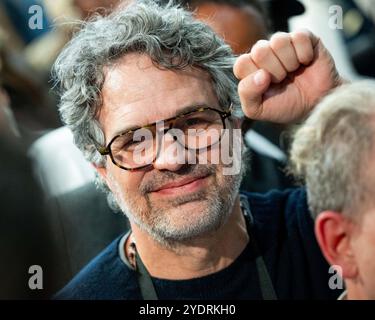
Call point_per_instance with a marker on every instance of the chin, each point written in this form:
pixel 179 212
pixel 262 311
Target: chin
pixel 188 210
pixel 194 219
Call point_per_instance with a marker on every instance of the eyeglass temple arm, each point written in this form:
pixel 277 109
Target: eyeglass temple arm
pixel 228 113
pixel 103 151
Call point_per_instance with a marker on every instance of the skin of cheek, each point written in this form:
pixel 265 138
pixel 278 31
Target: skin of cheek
pixel 125 184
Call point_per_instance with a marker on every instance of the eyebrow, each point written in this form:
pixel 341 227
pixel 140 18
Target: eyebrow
pixel 183 110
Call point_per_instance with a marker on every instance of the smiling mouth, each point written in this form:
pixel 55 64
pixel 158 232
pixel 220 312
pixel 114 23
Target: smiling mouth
pixel 183 186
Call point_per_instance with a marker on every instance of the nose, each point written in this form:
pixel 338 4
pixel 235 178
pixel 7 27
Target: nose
pixel 171 155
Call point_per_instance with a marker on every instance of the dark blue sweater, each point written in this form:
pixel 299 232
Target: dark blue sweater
pixel 283 229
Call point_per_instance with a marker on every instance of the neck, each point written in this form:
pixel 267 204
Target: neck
pixel 355 290
pixel 199 257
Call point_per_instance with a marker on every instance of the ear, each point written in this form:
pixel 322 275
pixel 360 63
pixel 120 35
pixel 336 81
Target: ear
pixel 333 232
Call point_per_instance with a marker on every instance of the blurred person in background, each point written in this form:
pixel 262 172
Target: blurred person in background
pixel 27 98
pixel 89 7
pixel 333 153
pixel 39 45
pixel 25 235
pixel 8 126
pixel 241 23
pixel 30 35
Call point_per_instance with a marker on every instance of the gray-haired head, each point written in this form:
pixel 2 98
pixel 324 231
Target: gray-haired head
pixel 168 34
pixel 332 150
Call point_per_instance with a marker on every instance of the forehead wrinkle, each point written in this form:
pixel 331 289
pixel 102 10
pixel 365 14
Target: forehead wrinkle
pixel 119 76
pixel 152 107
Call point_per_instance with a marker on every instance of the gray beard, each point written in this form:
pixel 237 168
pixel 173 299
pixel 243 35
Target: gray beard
pixel 219 200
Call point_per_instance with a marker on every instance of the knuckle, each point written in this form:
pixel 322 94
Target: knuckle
pixel 300 36
pixel 260 51
pixel 240 65
pixel 303 45
pixel 279 40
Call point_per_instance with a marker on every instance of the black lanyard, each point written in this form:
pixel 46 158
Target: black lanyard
pixel 267 290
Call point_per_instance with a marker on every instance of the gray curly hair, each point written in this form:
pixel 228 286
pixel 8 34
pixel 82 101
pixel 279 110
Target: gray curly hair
pixel 168 34
pixel 332 150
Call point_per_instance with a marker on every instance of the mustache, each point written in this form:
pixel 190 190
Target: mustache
pixel 156 180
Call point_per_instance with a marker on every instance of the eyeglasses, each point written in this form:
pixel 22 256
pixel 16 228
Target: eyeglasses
pixel 194 130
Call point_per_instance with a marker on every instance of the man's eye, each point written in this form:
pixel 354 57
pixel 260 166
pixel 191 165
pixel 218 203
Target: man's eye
pixel 133 143
pixel 130 144
pixel 123 143
pixel 194 122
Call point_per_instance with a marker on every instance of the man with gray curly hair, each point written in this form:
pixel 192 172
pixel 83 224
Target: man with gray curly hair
pixel 151 96
pixel 333 152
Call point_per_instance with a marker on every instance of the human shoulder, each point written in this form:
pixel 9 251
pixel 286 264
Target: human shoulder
pixel 275 204
pixel 279 215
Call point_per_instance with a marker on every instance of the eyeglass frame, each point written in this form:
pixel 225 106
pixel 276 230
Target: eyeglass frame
pixel 104 151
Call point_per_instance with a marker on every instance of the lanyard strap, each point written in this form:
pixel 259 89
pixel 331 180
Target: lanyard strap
pixel 265 282
pixel 144 280
pixel 267 290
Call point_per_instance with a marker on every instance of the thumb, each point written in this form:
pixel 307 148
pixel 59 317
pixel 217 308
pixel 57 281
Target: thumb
pixel 251 90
